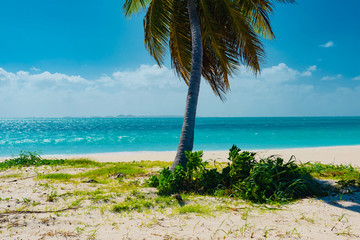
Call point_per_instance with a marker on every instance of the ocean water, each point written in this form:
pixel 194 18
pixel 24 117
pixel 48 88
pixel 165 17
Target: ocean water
pixel 98 135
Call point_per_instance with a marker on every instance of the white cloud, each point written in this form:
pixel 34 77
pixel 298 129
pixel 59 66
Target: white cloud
pixel 150 90
pixel 328 44
pixel 279 73
pixel 40 80
pixel 309 71
pixel 329 78
pixel 147 77
pixel 35 69
pixel 356 78
pixel 6 76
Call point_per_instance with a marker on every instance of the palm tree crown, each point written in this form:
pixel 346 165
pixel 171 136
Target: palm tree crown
pixel 230 29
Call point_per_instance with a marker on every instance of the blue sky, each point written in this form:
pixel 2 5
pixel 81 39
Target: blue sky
pixel 83 58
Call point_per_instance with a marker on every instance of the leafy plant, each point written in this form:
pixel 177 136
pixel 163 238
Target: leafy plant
pixel 267 180
pixel 272 179
pixel 52 196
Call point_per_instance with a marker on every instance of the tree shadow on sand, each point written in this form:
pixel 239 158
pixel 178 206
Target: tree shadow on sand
pixel 345 197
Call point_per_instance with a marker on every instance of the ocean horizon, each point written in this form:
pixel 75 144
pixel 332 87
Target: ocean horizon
pixel 86 135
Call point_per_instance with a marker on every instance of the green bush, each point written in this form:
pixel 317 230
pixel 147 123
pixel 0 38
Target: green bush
pixel 26 159
pixel 264 181
pixel 271 179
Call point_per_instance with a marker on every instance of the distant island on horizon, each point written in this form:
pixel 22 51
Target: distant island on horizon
pixel 178 116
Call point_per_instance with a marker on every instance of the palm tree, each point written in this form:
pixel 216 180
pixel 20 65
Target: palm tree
pixel 208 38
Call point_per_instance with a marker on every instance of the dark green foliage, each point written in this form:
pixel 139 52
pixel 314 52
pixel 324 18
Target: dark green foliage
pixel 267 180
pixel 241 163
pixel 271 180
pixel 26 159
pixel 169 182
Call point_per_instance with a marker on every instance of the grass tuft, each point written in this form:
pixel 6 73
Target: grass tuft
pixel 57 176
pixel 26 159
pixel 197 208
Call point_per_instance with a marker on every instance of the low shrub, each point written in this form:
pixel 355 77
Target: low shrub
pixel 263 181
pixel 26 159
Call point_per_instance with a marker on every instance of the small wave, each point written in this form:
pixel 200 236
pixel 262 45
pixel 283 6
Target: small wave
pixel 94 139
pixel 59 140
pixel 126 139
pixel 79 139
pixel 121 137
pixel 24 141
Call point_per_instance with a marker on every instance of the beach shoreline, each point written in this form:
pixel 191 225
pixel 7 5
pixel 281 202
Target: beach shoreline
pixel 327 155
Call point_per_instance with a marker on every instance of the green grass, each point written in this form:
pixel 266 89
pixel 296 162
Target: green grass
pixel 331 171
pixel 138 205
pixel 103 173
pixel 100 172
pixel 26 159
pixel 138 201
pixel 197 208
pixel 57 176
pixel 97 196
pixel 103 170
pixel 82 163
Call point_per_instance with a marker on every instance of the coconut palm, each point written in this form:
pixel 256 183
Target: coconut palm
pixel 208 38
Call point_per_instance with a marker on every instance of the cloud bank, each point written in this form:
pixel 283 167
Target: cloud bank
pixel 149 90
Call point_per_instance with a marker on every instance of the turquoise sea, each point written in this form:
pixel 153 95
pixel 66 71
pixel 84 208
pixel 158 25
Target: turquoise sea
pixel 97 135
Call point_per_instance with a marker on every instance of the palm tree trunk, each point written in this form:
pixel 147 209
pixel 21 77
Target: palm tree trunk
pixel 187 132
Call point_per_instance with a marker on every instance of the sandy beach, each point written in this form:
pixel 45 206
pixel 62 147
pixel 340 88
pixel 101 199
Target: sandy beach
pixel 27 213
pixel 336 155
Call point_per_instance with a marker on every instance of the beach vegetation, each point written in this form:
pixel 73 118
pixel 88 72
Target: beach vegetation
pixel 138 201
pixel 264 181
pixel 76 203
pixel 331 171
pixel 52 196
pixel 93 234
pixel 195 208
pixel 57 176
pixel 134 168
pixel 27 159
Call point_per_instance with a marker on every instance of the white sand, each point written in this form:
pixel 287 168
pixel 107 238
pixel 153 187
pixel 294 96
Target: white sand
pixel 336 155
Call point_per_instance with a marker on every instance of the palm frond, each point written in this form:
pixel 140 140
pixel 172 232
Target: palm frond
pixel 217 60
pixel 258 12
pixel 241 36
pixel 134 6
pixel 180 40
pixel 156 28
pixel 229 38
